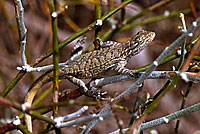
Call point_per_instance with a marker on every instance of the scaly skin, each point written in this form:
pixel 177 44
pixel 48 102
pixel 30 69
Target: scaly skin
pixel 96 62
pixel 112 55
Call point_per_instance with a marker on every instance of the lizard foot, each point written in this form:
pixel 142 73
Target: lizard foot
pixel 95 93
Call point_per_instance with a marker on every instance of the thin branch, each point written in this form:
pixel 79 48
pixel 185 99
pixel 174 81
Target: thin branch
pixel 23 129
pixel 84 119
pixel 61 45
pixel 98 18
pixel 166 119
pixel 183 47
pixel 147 10
pixel 193 9
pixel 170 117
pixel 115 29
pixel 7 127
pixel 190 57
pixel 73 115
pixel 79 121
pixel 21 29
pixel 137 84
pixel 22 108
pixel 153 75
pixel 167 51
pixel 158 60
pixel 136 112
pixel 183 104
pixel 123 13
pixel 154 19
pixel 55 54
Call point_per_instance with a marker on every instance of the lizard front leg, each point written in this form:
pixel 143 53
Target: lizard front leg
pixel 107 43
pixel 78 48
pixel 120 67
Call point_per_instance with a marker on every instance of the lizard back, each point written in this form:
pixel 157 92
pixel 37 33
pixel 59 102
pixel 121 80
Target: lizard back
pixel 98 61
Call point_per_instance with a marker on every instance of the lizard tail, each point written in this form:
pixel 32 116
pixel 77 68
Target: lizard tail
pixel 45 78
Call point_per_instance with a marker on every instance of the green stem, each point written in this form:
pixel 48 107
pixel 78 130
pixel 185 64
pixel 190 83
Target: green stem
pixel 183 104
pixel 55 54
pixel 61 45
pixel 111 32
pixel 23 129
pixel 42 96
pixel 167 59
pixel 165 89
pixel 98 16
pixel 123 12
pixel 154 19
pixel 12 84
pixel 182 58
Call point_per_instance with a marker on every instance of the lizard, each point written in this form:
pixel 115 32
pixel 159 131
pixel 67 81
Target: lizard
pixel 110 56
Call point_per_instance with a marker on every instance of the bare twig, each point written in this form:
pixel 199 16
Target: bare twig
pixel 154 75
pixel 166 119
pixel 62 44
pixel 21 29
pixel 137 84
pixel 22 108
pixel 83 119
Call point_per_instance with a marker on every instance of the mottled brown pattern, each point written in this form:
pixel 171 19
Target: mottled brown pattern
pixel 108 57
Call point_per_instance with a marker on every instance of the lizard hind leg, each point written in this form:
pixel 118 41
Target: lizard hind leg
pixel 77 82
pixel 92 92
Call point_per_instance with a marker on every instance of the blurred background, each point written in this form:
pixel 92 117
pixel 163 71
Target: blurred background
pixel 79 14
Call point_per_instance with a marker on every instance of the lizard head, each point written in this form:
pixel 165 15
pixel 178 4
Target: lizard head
pixel 140 41
pixel 143 38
